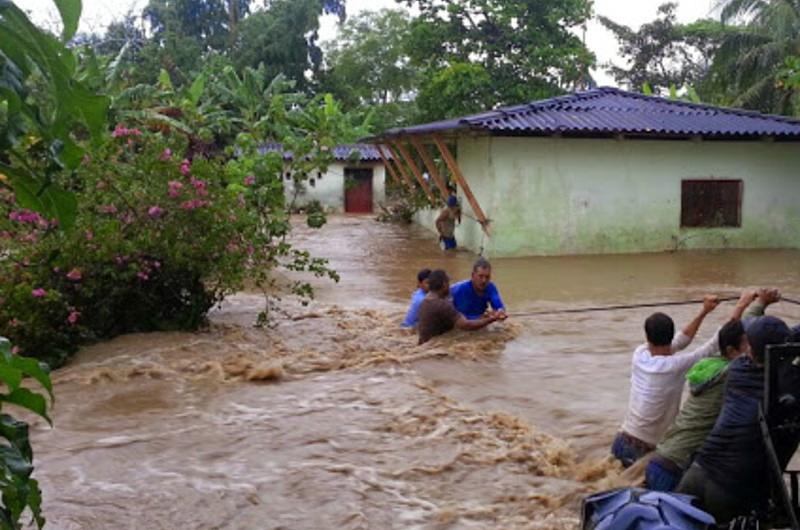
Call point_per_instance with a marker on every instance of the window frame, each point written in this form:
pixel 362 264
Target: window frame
pixel 684 205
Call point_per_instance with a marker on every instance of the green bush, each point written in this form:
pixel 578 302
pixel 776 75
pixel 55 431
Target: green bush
pixel 158 240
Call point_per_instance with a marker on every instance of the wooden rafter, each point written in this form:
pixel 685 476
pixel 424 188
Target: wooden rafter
pixel 459 176
pixel 430 165
pixel 392 170
pixel 399 166
pixel 414 169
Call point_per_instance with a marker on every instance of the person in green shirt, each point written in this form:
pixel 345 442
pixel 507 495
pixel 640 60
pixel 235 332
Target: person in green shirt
pixel 706 391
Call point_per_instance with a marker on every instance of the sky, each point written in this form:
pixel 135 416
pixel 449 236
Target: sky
pixel 98 13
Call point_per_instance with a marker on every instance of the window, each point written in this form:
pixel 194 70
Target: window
pixel 711 203
pixel 312 183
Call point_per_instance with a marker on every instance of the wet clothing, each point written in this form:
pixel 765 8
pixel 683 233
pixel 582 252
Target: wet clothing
pixel 733 457
pixel 723 503
pixel 471 304
pixel 699 413
pixel 695 420
pixel 628 449
pixel 436 317
pixel 449 243
pixel 413 309
pixel 657 385
pixel 662 474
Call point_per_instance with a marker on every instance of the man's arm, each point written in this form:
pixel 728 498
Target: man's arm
pixel 711 346
pixel 763 298
pixel 685 337
pixel 472 325
pixel 494 299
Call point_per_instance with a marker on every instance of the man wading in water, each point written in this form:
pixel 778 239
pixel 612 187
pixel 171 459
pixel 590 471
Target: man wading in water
pixel 472 297
pixel 437 314
pixel 446 223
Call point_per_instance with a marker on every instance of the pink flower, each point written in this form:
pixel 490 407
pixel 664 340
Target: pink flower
pixel 86 160
pixel 107 208
pixel 120 131
pixel 193 204
pixel 73 317
pixel 89 235
pixel 175 188
pixel 155 212
pixel 74 275
pixel 27 217
pixel 142 276
pixel 199 186
pixel 166 154
pixel 249 180
pixel 15 350
pixel 38 293
pixel 14 323
pixel 185 167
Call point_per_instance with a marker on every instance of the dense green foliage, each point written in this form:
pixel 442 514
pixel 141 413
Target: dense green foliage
pixel 663 54
pixel 19 491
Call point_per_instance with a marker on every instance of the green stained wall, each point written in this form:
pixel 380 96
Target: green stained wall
pixel 550 196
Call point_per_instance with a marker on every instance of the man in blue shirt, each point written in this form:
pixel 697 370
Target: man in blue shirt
pixel 472 297
pixel 417 298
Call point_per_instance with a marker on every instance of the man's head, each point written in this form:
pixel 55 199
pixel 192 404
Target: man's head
pixel 660 329
pixel 733 340
pixel 422 279
pixel 439 283
pixel 481 274
pixel 796 334
pixel 764 332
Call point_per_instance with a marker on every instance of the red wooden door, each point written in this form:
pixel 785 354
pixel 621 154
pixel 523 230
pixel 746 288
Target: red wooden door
pixel 358 190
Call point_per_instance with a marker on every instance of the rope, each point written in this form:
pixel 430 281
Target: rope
pixel 614 307
pixel 631 306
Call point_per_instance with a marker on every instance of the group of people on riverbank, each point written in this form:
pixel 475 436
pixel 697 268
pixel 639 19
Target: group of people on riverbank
pixel 437 307
pixel 711 447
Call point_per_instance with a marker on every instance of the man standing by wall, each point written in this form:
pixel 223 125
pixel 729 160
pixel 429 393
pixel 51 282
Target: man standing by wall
pixel 446 223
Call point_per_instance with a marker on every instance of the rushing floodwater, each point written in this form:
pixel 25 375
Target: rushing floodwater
pixel 334 418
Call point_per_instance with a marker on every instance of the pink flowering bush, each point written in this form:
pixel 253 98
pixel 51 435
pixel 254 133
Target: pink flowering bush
pixel 158 240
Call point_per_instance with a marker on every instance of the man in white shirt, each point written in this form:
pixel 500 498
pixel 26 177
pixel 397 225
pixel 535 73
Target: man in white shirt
pixel 657 378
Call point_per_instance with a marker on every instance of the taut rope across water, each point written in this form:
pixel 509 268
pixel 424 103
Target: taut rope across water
pixel 629 306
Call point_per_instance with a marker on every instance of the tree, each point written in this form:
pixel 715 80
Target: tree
pixel 528 49
pixel 761 36
pixel 368 66
pixel 663 54
pixel 283 37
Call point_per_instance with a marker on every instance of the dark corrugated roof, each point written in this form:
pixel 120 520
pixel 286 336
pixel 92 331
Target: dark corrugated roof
pixel 363 152
pixel 604 111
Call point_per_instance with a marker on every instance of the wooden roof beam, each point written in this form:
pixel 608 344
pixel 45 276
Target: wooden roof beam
pixel 400 168
pixel 459 176
pixel 394 171
pixel 414 169
pixel 430 165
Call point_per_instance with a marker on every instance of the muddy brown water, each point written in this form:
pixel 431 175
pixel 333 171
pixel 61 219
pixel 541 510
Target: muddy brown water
pixel 334 418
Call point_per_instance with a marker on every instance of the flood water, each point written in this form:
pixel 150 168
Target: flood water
pixel 335 418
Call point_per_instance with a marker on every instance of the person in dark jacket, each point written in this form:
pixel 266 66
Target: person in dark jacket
pixel 730 476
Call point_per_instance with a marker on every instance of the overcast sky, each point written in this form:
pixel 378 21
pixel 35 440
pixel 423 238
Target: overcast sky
pixel 98 13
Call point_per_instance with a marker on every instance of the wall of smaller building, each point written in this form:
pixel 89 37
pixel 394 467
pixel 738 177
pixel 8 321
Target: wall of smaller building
pixel 551 196
pixel 329 188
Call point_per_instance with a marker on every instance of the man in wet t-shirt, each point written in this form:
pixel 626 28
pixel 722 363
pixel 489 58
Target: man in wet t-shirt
pixel 437 315
pixel 472 297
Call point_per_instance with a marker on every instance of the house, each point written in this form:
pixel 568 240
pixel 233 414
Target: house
pixel 354 183
pixel 610 171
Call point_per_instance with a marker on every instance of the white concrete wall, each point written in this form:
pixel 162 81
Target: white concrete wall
pixel 550 196
pixel 329 188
